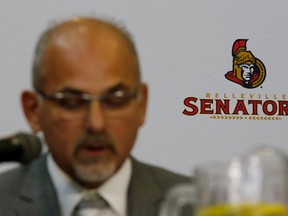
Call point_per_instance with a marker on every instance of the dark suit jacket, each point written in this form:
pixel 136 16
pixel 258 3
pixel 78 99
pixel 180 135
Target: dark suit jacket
pixel 28 190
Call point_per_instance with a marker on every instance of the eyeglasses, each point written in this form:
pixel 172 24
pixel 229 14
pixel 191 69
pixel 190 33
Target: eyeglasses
pixel 73 106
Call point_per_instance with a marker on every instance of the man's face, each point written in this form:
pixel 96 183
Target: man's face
pixel 247 71
pixel 90 143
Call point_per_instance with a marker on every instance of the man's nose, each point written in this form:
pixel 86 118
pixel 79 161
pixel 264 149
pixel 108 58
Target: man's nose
pixel 95 117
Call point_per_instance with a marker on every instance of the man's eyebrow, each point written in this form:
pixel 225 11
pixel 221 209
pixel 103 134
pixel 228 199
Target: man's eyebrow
pixel 116 87
pixel 71 90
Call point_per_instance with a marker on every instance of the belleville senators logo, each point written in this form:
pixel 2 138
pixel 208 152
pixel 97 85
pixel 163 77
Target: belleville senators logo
pixel 248 71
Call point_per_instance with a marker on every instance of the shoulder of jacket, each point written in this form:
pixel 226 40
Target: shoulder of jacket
pixel 161 175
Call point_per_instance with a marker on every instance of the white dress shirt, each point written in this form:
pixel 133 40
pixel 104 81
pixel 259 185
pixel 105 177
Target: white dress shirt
pixel 114 190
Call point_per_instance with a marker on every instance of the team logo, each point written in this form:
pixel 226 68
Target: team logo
pixel 248 71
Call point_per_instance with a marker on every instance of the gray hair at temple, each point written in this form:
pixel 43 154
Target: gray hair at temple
pixel 42 43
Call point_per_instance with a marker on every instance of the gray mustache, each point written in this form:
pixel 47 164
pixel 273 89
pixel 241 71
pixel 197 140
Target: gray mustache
pixel 96 141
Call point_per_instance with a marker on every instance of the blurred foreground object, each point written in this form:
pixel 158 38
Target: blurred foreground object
pixel 253 184
pixel 21 147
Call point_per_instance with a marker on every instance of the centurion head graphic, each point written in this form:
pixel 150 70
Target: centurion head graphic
pixel 248 71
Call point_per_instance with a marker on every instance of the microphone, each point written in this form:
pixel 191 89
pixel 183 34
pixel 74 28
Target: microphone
pixel 21 147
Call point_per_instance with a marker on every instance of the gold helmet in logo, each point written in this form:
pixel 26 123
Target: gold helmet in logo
pixel 242 57
pixel 248 71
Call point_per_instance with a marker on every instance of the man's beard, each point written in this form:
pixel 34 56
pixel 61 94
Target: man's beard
pixel 95 169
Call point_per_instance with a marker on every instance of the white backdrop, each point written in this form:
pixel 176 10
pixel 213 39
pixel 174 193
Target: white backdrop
pixel 185 51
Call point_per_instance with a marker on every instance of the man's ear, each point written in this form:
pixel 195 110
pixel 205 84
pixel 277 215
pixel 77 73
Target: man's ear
pixel 143 102
pixel 30 106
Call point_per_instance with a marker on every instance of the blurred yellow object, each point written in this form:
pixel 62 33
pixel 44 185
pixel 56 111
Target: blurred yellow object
pixel 261 209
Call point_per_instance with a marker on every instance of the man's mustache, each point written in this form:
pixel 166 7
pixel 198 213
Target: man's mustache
pixel 95 141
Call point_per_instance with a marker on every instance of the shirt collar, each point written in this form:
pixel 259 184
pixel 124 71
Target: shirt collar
pixel 69 193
